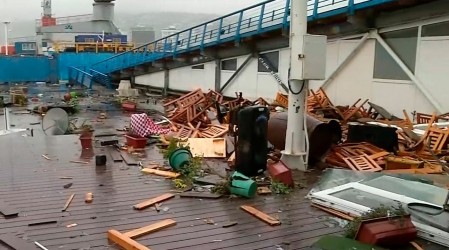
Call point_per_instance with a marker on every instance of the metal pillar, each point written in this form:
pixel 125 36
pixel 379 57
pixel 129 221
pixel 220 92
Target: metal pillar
pixel 166 81
pixel 294 156
pixel 217 75
pixel 408 72
pixel 248 59
pixel 6 36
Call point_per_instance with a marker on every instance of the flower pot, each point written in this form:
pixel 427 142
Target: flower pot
pixel 242 185
pixel 387 231
pixel 179 158
pixel 136 141
pixel 280 173
pixel 129 106
pixel 86 140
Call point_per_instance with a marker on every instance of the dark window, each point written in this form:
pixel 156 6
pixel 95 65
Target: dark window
pixel 403 43
pixel 199 66
pixel 269 62
pixel 230 64
pixel 436 29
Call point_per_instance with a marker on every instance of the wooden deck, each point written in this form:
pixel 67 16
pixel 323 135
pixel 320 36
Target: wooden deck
pixel 33 185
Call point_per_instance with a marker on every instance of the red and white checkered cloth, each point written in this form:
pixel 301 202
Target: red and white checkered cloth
pixel 143 126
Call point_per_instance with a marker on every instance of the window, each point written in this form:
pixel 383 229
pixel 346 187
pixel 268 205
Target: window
pixel 230 64
pixel 28 46
pixel 117 40
pixel 403 43
pixel 199 66
pixel 436 29
pixel 89 40
pixel 269 62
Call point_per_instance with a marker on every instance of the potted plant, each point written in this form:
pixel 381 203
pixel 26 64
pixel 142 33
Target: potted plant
pixel 86 136
pixel 383 226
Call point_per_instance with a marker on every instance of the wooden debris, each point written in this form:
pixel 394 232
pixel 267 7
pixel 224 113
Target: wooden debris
pixel 115 154
pixel 40 245
pixel 205 195
pixel 163 173
pixel 7 210
pixel 80 162
pixel 89 198
pixel 129 160
pixel 153 201
pixel 260 215
pixel 67 204
pixel 71 225
pixel 44 222
pixel 150 229
pixel 46 157
pixel 65 178
pixel 11 241
pixel 334 212
pixel 263 190
pixel 231 160
pixel 230 224
pixel 207 147
pixel 416 246
pixel 125 242
pixel 362 163
pixel 66 186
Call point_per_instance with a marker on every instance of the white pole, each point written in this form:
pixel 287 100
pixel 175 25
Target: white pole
pixel 6 37
pixel 294 155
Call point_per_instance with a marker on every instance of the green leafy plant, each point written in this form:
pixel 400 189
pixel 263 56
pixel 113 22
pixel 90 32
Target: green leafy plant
pixel 192 169
pixel 280 188
pixel 222 188
pixel 172 146
pixel 179 183
pixel 382 211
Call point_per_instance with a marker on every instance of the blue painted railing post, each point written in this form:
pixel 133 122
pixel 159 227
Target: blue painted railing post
pixel 286 14
pixel 165 47
pixel 315 10
pixel 351 10
pixel 175 50
pixel 259 25
pixel 188 39
pixel 203 36
pixel 220 27
pixel 239 25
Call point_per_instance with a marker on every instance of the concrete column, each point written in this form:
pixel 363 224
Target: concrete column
pixel 217 75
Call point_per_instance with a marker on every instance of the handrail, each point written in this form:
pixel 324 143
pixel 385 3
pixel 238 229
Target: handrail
pixel 262 17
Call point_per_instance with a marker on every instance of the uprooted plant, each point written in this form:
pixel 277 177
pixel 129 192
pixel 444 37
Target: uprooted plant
pixel 279 188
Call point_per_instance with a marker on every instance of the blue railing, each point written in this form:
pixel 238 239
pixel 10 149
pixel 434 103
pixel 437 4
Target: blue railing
pixel 260 18
pixel 101 78
pixel 80 77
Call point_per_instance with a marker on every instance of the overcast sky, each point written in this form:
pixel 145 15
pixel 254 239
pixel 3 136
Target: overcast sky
pixel 31 9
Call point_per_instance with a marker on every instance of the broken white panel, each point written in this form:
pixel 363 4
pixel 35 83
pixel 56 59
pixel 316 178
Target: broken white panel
pixel 357 198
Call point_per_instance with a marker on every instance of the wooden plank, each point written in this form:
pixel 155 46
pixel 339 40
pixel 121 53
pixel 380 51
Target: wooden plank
pixel 7 210
pixel 334 212
pixel 150 229
pixel 115 154
pixel 67 204
pixel 261 215
pixel 200 195
pixel 207 147
pixel 125 242
pixel 14 242
pixel 153 201
pixel 128 159
pixel 163 173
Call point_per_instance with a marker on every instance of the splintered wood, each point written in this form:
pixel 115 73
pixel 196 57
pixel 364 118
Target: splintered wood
pixel 362 163
pixel 153 201
pixel 261 215
pixel 126 240
pixel 167 174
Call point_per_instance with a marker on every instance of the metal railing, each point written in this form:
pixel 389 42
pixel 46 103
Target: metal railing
pixel 80 77
pixel 257 19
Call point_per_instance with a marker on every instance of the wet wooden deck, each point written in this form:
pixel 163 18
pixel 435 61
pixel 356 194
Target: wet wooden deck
pixel 33 185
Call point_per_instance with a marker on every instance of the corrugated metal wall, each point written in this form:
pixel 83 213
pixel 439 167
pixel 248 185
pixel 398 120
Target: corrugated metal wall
pixel 44 69
pixel 24 69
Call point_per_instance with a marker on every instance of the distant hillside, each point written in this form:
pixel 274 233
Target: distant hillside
pixel 126 21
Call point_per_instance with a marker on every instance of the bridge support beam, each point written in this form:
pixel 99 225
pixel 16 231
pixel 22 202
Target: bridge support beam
pixel 248 59
pixel 166 81
pixel 217 74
